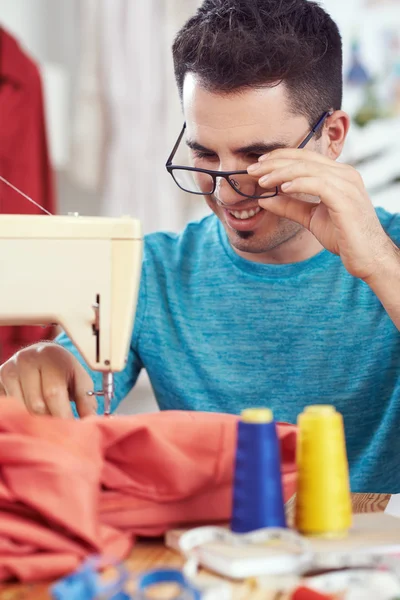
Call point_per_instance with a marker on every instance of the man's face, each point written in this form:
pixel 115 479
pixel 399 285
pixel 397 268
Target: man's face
pixel 229 132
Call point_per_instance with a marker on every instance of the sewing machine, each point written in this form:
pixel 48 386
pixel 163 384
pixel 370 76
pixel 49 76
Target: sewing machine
pixel 82 273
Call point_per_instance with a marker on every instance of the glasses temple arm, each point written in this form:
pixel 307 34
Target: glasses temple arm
pixel 175 148
pixel 315 129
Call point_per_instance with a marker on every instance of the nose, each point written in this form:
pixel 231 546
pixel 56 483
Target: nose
pixel 224 193
pixel 227 195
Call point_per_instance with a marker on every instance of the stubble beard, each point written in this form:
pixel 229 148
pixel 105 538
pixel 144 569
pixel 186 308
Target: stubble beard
pixel 253 242
pixel 248 241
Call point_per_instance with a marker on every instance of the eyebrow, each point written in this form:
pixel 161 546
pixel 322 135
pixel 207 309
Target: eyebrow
pixel 256 148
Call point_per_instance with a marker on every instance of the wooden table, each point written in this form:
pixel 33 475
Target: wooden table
pixel 150 554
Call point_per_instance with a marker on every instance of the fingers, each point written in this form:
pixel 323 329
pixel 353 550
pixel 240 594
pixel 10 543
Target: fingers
pixel 290 208
pixel 55 392
pixel 292 171
pixel 339 197
pixel 283 169
pixel 304 179
pixel 300 154
pixel 292 181
pixel 64 379
pixel 62 375
pixel 82 383
pixel 31 385
pixel 10 384
pixel 44 377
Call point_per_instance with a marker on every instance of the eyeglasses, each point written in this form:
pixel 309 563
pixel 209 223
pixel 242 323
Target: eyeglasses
pixel 203 182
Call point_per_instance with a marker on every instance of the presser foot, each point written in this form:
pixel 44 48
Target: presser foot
pixel 107 392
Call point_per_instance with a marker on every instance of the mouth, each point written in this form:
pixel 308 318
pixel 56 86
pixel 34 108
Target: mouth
pixel 244 220
pixel 245 214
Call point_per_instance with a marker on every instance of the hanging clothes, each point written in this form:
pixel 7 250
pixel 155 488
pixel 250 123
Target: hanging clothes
pixel 24 158
pixel 88 136
pixel 127 79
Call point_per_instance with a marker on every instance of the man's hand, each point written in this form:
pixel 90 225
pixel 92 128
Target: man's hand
pixel 44 378
pixel 342 217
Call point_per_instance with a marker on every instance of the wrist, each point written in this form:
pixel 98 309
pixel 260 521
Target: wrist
pixel 387 266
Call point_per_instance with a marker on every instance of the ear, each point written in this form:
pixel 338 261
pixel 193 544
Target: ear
pixel 334 133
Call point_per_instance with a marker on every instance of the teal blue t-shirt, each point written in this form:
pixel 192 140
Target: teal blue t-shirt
pixel 216 332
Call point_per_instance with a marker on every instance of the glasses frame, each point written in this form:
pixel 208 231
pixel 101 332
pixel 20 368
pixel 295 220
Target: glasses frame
pixel 227 174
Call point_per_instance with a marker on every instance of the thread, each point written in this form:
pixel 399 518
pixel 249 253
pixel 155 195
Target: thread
pixel 323 504
pixel 18 191
pixel 257 488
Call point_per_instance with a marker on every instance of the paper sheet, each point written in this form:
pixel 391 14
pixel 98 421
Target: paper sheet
pixel 393 506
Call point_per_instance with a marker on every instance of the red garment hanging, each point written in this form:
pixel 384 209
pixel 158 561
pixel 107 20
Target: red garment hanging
pixel 24 158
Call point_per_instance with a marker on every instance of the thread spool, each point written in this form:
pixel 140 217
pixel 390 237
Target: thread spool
pixel 323 504
pixel 257 490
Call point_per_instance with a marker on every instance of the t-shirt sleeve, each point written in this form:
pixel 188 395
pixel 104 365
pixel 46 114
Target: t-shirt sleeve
pixel 124 380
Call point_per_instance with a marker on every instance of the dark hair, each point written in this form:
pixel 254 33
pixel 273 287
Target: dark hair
pixel 235 44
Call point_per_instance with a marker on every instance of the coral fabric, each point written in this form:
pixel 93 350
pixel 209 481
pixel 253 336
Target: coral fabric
pixel 24 158
pixel 72 488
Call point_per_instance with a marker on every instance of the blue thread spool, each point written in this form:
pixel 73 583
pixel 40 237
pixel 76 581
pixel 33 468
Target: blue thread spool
pixel 257 492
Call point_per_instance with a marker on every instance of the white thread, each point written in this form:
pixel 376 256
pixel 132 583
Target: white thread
pixel 24 195
pixel 297 557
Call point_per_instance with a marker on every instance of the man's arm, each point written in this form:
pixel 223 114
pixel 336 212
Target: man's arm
pixel 344 220
pixel 385 283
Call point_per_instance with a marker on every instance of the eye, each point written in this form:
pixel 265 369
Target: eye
pixel 200 154
pixel 254 156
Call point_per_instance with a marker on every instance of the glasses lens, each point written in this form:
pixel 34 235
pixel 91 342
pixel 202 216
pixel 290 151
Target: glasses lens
pixel 193 181
pixel 196 182
pixel 267 193
pixel 246 186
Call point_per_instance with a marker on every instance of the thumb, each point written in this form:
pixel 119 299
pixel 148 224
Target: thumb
pixel 82 384
pixel 290 208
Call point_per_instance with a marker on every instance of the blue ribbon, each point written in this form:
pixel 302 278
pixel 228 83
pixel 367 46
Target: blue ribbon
pixel 159 576
pixel 86 584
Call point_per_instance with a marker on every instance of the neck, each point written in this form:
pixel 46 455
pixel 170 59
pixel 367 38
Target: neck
pixel 302 246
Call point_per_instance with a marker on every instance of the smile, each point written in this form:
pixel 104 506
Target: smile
pixel 245 214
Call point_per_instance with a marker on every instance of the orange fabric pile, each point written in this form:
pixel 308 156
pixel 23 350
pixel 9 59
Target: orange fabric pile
pixel 72 488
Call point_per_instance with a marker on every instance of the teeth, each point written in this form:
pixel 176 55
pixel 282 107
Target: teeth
pixel 244 214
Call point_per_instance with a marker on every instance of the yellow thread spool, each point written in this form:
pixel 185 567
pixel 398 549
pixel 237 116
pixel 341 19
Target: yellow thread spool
pixel 323 504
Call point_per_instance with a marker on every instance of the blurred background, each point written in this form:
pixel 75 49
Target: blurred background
pixel 103 111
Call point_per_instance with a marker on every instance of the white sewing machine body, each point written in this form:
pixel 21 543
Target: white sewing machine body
pixel 82 273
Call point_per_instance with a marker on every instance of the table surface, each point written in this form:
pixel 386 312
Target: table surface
pixel 150 554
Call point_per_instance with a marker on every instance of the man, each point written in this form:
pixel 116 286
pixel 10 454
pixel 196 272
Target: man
pixel 290 293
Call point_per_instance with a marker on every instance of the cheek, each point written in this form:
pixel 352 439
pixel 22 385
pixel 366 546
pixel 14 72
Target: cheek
pixel 210 200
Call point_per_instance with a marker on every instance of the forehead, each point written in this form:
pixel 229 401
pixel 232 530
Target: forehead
pixel 252 112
